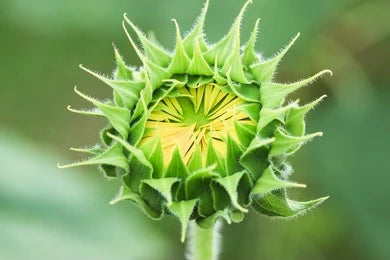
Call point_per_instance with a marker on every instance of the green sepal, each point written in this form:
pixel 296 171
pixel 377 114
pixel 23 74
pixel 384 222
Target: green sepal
pixel 267 115
pixel 126 194
pixel 134 151
pixel 213 158
pixel 112 156
pixel 236 216
pixel 265 71
pixel 197 81
pixel 118 117
pixel 209 222
pixel 176 167
pixel 183 210
pixel 233 154
pixel 122 72
pixel 139 167
pixel 245 133
pixel 276 204
pixel 295 119
pixel 255 157
pixel 137 128
pixel 93 150
pixel 223 49
pixel 180 61
pixel 198 65
pixel 196 34
pixel 88 112
pixel 157 74
pixel 244 189
pixel 195 162
pixel 154 53
pixel 248 92
pixel 269 182
pixel 154 153
pixel 233 67
pixel 163 186
pixel 273 94
pixel 249 56
pixel 128 90
pixel 198 186
pixel 106 140
pixel 219 79
pixel 229 185
pixel 288 144
pixel 252 110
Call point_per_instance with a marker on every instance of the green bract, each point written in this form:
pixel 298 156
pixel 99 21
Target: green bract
pixel 201 133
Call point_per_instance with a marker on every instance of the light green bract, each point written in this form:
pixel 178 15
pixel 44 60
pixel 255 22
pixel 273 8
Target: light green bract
pixel 202 133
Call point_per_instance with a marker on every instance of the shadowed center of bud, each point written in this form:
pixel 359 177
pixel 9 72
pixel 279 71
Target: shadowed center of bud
pixel 194 120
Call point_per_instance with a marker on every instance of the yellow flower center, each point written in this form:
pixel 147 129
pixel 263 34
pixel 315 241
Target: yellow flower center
pixel 194 119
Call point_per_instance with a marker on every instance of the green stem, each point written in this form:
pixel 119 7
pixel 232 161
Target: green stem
pixel 204 243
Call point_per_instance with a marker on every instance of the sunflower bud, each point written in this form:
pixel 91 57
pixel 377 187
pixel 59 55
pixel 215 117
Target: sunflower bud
pixel 202 133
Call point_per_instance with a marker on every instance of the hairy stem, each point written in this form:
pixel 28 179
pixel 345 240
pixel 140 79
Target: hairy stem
pixel 204 243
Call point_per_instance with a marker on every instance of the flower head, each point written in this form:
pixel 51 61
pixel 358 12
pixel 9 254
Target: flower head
pixel 201 133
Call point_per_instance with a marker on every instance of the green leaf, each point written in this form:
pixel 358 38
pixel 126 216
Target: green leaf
pixel 154 53
pixel 269 182
pixel 180 61
pixel 287 144
pixel 278 205
pixel 128 90
pixel 233 154
pixel 265 71
pixel 126 194
pixel 112 156
pixel 273 94
pixel 249 57
pixel 255 158
pixel 230 185
pixel 198 186
pixel 209 222
pixel 183 210
pixel 162 186
pixel 295 120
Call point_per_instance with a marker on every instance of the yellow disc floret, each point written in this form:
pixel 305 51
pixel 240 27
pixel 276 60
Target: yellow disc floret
pixel 194 119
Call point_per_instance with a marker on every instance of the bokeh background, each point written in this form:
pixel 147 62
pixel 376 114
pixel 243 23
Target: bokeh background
pixel 46 213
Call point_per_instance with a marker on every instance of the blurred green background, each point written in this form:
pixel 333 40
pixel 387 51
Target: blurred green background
pixel 46 213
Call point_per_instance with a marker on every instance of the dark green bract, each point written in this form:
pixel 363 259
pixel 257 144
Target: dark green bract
pixel 247 170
